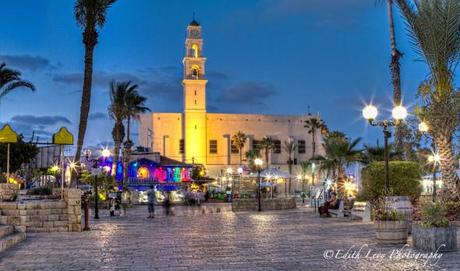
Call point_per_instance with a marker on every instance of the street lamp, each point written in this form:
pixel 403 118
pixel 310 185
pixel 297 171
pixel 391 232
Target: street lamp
pixel 399 113
pixel 258 162
pixel 434 159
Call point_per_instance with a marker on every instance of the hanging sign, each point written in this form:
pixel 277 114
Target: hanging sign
pixel 63 137
pixel 8 135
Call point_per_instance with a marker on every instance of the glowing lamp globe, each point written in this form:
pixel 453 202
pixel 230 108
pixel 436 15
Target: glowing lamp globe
pixel 240 170
pixel 423 127
pixel 399 112
pixel 370 112
pixel 258 162
pixel 106 153
pixel 434 158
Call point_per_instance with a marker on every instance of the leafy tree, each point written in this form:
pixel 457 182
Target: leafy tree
pixel 11 80
pixel 90 15
pixel 251 155
pixel 20 153
pixel 377 153
pixel 434 30
pixel 238 140
pixel 404 180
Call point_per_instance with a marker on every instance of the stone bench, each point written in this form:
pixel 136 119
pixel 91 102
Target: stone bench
pixel 361 209
pixel 338 212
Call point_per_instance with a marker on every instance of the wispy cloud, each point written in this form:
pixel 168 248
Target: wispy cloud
pixel 40 120
pixel 28 62
pixel 98 116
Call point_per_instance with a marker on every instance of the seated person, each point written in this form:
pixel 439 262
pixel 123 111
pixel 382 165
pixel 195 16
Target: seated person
pixel 332 203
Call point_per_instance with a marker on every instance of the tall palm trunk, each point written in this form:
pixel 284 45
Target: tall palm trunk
pixel 448 169
pixel 90 40
pixel 116 155
pixel 266 157
pixel 395 70
pixel 128 129
pixel 127 153
pixel 241 156
pixel 313 143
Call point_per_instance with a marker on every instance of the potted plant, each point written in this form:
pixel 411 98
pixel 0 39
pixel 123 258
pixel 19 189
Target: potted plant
pixel 434 232
pixel 390 225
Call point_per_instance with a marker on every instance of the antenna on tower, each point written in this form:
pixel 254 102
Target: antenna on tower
pixel 308 110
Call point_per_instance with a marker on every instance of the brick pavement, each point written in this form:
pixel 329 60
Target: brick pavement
pixel 287 240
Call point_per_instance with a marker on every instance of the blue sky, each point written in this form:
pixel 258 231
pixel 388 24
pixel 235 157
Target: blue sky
pixel 265 56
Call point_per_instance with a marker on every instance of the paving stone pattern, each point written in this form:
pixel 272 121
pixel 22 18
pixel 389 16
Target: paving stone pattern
pixel 272 240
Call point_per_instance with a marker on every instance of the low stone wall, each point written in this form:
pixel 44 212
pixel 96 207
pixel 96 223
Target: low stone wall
pixel 239 205
pixel 7 191
pixel 44 215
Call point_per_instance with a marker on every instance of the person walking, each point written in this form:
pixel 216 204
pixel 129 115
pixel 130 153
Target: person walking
pixel 167 203
pixel 151 201
pixel 125 201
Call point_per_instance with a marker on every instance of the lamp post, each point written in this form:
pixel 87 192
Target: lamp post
pixel 399 113
pixel 230 178
pixel 435 159
pixel 258 162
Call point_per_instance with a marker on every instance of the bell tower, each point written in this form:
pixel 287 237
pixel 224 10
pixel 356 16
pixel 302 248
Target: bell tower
pixel 194 84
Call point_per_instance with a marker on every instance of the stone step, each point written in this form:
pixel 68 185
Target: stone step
pixel 6 230
pixel 10 240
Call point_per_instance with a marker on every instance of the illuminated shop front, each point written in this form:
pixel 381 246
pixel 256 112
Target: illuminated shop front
pixel 172 177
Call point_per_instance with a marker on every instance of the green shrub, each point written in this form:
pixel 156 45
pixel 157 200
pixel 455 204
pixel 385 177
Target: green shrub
pixel 382 213
pixel 433 214
pixel 404 178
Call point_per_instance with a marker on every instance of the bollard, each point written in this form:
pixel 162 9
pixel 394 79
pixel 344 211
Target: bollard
pixel 85 202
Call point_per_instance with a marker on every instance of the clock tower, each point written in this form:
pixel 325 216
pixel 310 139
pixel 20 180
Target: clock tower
pixel 194 84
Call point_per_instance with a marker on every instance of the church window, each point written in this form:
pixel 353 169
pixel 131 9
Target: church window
pixel 195 72
pixel 277 146
pixel 256 145
pixel 234 148
pixel 195 50
pixel 301 146
pixel 195 102
pixel 181 146
pixel 213 146
pixel 195 92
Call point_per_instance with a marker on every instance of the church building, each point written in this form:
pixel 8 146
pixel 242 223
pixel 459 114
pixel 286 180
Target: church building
pixel 195 136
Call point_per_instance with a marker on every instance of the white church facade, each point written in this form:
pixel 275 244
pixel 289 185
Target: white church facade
pixel 196 136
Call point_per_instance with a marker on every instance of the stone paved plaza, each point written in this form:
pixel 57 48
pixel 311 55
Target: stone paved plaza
pixel 287 240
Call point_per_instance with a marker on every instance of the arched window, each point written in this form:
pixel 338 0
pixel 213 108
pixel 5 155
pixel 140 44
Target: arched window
pixel 195 71
pixel 195 50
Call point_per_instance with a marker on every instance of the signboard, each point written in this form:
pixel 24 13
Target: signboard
pixel 8 135
pixel 63 137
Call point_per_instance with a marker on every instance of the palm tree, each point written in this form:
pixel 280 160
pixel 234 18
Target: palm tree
pixel 313 125
pixel 267 144
pixel 394 67
pixel 340 152
pixel 11 80
pixel 289 147
pixel 434 30
pixel 376 153
pixel 135 105
pixel 238 140
pixel 117 111
pixel 90 15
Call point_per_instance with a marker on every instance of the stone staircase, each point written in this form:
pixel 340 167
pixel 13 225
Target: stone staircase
pixel 9 235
